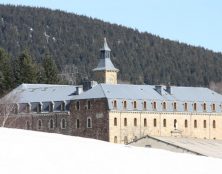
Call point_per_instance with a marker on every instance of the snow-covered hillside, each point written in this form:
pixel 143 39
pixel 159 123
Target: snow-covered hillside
pixel 29 152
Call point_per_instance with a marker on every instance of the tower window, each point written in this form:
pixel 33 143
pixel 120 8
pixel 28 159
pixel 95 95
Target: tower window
pixel 135 122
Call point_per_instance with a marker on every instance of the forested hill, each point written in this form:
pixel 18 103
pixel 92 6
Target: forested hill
pixel 74 39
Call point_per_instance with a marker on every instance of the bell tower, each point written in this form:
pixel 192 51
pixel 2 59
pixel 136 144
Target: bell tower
pixel 105 72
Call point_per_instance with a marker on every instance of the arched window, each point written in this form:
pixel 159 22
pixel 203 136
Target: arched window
pixel 63 123
pixel 195 106
pixel 125 121
pixel 185 123
pixel 125 140
pixel 124 105
pixel 114 104
pixel 154 122
pixel 174 105
pixel 51 124
pixel 185 106
pixel 213 107
pixel 144 105
pixel 195 123
pixel 78 105
pixel 145 122
pixel 134 105
pixel 164 122
pixel 154 105
pixel 115 121
pixel 204 107
pixel 164 105
pixel 77 123
pixel 39 124
pixel 205 124
pixel 175 124
pixel 115 139
pixel 89 122
pixel 28 125
pixel 135 122
pixel 214 124
pixel 88 105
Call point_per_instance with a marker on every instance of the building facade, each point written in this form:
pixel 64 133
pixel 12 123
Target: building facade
pixel 113 112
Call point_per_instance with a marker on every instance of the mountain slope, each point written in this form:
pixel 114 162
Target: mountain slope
pixel 74 39
pixel 28 152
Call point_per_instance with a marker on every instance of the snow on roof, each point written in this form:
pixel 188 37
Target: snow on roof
pixel 37 152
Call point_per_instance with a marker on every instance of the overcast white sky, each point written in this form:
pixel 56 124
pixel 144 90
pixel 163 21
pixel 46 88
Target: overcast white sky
pixel 196 22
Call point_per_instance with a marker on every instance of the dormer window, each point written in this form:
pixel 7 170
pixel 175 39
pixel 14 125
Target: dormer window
pixel 39 108
pixel 124 104
pixel 164 105
pixel 144 105
pixel 185 107
pixel 195 106
pixel 174 106
pixel 51 106
pixel 134 105
pixel 63 106
pixel 154 105
pixel 213 107
pixel 115 104
pixel 204 107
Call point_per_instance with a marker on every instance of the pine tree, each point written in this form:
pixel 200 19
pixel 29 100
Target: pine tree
pixel 50 71
pixel 25 69
pixel 6 74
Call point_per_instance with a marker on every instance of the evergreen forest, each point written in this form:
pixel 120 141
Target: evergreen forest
pixel 39 45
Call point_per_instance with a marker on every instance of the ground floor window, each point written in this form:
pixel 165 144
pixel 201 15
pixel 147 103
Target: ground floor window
pixel 115 139
pixel 63 123
pixel 39 124
pixel 89 122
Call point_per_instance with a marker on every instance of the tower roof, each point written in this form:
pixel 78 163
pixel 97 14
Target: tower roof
pixel 105 62
pixel 105 46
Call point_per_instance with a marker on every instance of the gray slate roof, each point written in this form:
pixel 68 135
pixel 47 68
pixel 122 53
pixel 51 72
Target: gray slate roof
pixel 141 93
pixel 29 93
pixel 105 64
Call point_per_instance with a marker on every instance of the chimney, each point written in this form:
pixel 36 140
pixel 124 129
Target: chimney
pixel 88 84
pixel 168 88
pixel 79 90
pixel 158 89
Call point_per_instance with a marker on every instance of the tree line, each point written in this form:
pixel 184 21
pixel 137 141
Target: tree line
pixel 24 69
pixel 71 39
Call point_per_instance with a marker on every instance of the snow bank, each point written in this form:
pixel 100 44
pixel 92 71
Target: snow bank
pixel 29 152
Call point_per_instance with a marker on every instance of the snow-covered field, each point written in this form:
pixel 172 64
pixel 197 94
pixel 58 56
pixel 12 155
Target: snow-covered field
pixel 29 152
